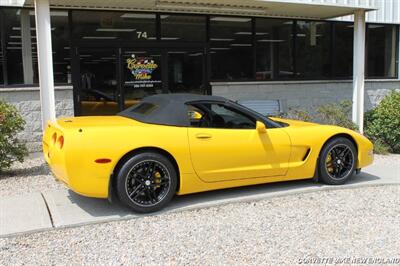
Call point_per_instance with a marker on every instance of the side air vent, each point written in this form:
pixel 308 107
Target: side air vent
pixel 306 154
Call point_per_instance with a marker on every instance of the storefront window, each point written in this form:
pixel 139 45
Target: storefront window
pixel 313 49
pixel 231 48
pixel 102 25
pixel 239 48
pixel 185 71
pixel 274 49
pixel 342 53
pixel 2 48
pixel 61 49
pixel 18 38
pixel 381 51
pixel 19 62
pixel 183 28
pixel 1 71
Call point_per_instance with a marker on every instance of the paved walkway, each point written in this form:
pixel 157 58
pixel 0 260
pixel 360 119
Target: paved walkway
pixel 57 209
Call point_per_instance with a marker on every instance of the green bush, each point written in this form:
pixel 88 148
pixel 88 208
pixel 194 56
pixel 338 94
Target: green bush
pixel 336 114
pixel 302 115
pixel 11 123
pixel 380 147
pixel 383 123
pixel 330 114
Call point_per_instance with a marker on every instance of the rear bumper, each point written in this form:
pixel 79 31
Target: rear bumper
pixel 78 180
pixel 87 189
pixel 75 167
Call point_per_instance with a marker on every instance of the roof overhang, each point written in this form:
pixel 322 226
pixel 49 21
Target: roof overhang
pixel 267 8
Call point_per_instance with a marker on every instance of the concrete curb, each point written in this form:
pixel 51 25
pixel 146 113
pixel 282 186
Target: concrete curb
pixel 18 216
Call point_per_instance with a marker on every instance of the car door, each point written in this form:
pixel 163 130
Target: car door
pixel 225 145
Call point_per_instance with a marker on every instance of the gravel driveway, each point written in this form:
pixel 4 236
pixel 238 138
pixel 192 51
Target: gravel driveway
pixel 354 223
pixel 33 175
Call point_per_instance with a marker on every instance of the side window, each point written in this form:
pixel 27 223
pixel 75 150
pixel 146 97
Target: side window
pixel 215 115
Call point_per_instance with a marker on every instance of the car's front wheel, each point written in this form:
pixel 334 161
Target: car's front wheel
pixel 146 182
pixel 337 161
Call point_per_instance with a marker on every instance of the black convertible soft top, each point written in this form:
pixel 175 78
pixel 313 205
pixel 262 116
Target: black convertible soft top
pixel 166 109
pixel 171 109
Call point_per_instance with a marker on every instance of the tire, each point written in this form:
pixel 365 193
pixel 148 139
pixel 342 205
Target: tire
pixel 146 182
pixel 337 161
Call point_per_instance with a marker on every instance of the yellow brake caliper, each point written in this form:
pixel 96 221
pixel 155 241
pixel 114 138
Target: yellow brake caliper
pixel 157 179
pixel 329 162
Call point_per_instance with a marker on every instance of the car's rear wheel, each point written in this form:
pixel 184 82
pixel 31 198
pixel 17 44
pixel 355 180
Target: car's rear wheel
pixel 337 161
pixel 146 182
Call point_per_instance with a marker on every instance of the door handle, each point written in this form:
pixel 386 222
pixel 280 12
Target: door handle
pixel 203 136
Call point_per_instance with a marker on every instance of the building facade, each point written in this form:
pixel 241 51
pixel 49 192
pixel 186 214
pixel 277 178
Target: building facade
pixel 107 58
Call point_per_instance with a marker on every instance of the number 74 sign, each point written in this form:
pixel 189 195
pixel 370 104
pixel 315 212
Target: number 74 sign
pixel 141 34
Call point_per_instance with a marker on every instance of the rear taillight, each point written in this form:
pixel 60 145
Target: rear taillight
pixel 60 142
pixel 53 138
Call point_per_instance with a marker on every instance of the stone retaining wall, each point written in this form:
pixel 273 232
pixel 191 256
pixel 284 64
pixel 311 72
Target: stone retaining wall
pixel 304 94
pixel 27 101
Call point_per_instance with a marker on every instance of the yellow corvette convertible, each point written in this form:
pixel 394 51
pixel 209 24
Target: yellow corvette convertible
pixel 182 143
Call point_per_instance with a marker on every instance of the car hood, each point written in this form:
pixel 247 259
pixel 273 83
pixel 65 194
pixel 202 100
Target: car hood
pixel 294 123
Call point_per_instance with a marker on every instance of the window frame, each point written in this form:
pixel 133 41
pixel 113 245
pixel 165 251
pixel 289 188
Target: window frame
pixel 239 109
pixel 200 105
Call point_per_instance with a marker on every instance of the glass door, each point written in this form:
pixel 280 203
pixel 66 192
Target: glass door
pixel 148 71
pixel 98 92
pixel 109 80
pixel 142 74
pixel 186 71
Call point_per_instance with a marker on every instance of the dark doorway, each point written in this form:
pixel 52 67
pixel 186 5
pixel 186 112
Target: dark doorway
pixel 186 71
pixel 98 92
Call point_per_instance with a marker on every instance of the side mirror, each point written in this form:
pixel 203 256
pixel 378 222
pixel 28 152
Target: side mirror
pixel 261 128
pixel 195 115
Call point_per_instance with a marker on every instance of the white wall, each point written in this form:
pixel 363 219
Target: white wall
pixel 12 2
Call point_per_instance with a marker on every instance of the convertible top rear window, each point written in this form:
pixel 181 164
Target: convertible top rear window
pixel 144 108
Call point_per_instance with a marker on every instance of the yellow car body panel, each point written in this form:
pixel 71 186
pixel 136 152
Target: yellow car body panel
pixel 221 156
pixel 231 158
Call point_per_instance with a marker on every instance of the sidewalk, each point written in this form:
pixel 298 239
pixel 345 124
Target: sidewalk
pixel 59 209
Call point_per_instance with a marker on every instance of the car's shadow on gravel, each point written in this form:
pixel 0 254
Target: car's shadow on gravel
pixel 102 208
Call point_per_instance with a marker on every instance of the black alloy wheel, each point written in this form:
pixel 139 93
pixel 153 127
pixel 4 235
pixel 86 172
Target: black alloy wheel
pixel 146 182
pixel 337 161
